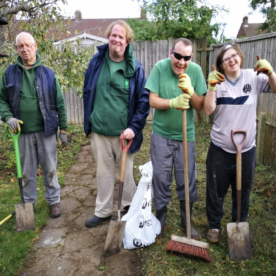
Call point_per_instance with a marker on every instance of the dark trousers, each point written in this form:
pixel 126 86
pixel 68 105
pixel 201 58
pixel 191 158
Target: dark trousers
pixel 221 173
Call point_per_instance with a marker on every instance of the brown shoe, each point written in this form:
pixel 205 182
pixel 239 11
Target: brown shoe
pixel 213 235
pixel 55 210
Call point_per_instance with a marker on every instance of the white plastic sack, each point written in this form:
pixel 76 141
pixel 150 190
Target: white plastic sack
pixel 142 226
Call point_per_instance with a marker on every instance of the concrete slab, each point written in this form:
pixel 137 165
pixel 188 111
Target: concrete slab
pixel 100 230
pixel 89 201
pixel 65 265
pixel 84 214
pixel 92 255
pixel 86 176
pixel 81 194
pixel 89 270
pixel 69 204
pixel 92 182
pixel 67 190
pixel 41 260
pixel 71 216
pixel 77 168
pixel 77 241
pixel 51 238
pixel 55 223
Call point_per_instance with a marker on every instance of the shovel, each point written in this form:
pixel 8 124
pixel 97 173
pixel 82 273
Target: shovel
pixel 116 229
pixel 238 232
pixel 24 211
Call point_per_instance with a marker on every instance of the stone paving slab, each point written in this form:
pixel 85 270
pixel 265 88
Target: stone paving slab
pixel 64 265
pixel 51 238
pixel 69 204
pixel 67 190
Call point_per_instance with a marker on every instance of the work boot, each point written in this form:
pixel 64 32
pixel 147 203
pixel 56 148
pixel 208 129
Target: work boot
pixel 55 210
pixel 161 215
pixel 95 221
pixel 194 233
pixel 213 235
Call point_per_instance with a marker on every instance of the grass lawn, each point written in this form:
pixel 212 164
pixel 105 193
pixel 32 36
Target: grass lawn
pixel 154 259
pixel 262 215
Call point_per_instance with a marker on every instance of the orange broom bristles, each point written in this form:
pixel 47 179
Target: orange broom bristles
pixel 188 249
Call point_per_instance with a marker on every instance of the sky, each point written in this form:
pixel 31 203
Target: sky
pixel 130 9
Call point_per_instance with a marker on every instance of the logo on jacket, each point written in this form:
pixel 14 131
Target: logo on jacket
pixel 247 88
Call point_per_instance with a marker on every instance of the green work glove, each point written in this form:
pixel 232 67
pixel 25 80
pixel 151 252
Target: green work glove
pixel 185 84
pixel 263 66
pixel 215 78
pixel 14 125
pixel 180 102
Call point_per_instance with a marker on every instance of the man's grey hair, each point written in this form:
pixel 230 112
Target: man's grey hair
pixel 17 37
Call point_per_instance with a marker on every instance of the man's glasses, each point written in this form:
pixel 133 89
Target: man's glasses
pixel 21 47
pixel 179 57
pixel 227 60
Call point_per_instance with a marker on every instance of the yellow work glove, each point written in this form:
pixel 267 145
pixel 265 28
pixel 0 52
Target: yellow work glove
pixel 263 66
pixel 14 125
pixel 215 78
pixel 185 84
pixel 180 102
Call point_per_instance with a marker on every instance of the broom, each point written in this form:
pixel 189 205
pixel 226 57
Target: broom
pixel 187 245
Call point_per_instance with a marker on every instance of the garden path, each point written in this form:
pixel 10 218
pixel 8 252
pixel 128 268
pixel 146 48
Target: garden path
pixel 65 246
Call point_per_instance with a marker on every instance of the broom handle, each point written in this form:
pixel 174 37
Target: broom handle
pixel 186 174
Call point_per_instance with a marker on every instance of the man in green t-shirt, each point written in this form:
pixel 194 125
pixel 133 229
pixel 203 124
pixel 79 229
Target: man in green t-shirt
pixel 168 100
pixel 31 101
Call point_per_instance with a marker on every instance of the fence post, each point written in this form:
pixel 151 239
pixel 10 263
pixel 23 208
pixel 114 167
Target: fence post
pixel 260 138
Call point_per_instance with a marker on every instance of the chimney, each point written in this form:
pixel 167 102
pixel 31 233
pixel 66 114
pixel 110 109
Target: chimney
pixel 78 15
pixel 245 20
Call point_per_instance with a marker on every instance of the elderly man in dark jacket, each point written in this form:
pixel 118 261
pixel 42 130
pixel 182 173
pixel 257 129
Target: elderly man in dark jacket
pixel 115 101
pixel 30 95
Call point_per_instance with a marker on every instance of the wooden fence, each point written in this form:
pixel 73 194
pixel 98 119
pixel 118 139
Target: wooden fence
pixel 147 52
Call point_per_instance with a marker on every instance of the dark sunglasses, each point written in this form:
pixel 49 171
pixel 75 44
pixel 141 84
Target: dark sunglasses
pixel 179 57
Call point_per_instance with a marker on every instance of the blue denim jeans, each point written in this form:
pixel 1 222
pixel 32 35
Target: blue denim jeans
pixel 37 149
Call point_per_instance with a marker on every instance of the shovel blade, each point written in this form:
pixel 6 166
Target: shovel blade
pixel 114 237
pixel 239 241
pixel 24 216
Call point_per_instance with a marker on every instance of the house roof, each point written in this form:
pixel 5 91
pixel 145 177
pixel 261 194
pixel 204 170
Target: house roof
pixel 249 29
pixel 82 36
pixel 79 26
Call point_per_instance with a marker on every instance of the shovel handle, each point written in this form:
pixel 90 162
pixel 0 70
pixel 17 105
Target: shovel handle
pixel 238 146
pixel 123 168
pixel 238 166
pixel 16 149
pixel 125 148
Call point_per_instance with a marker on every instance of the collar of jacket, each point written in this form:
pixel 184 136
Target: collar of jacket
pixel 129 58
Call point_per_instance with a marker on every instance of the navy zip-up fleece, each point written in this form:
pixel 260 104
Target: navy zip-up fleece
pixel 138 97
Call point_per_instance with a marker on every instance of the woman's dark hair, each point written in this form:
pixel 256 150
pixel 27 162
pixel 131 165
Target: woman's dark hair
pixel 221 53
